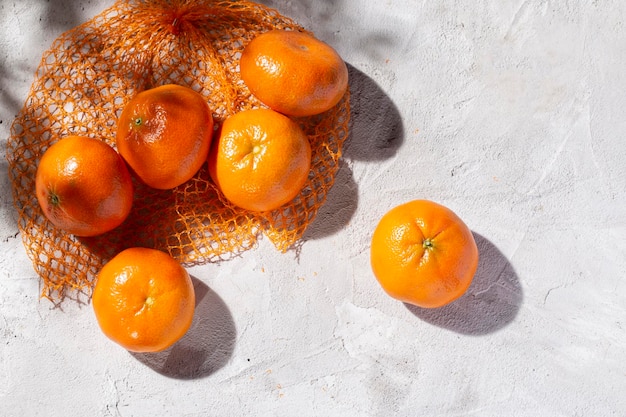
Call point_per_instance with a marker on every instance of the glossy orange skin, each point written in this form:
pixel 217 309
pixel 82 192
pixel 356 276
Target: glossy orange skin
pixel 164 134
pixel 423 254
pixel 83 186
pixel 261 159
pixel 144 300
pixel 293 72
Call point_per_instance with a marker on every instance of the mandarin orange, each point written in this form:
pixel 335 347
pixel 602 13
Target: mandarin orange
pixel 423 254
pixel 164 134
pixel 83 186
pixel 260 160
pixel 293 72
pixel 144 300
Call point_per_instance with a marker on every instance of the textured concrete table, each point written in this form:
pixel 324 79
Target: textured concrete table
pixel 508 112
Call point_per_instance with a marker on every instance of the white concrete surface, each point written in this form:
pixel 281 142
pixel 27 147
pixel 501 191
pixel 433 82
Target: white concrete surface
pixel 510 112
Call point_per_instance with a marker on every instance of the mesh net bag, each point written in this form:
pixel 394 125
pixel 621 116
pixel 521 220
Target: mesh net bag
pixel 81 85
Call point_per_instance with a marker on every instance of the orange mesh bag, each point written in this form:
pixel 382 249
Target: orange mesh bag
pixel 80 87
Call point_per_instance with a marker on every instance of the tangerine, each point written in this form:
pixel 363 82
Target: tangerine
pixel 83 186
pixel 164 134
pixel 260 159
pixel 144 300
pixel 423 254
pixel 293 72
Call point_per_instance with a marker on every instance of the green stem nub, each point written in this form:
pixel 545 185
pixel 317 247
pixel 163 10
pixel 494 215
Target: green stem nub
pixel 54 199
pixel 427 244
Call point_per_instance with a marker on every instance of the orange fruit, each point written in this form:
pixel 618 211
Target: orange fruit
pixel 164 134
pixel 423 254
pixel 260 160
pixel 293 72
pixel 144 300
pixel 83 186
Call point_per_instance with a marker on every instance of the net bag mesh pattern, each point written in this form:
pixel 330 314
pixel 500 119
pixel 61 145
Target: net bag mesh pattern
pixel 81 85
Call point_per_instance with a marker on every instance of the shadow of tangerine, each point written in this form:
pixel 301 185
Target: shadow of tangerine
pixel 376 128
pixel 491 302
pixel 339 207
pixel 207 346
pixel 376 133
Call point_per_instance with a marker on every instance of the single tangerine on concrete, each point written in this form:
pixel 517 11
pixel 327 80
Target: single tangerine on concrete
pixel 423 254
pixel 144 300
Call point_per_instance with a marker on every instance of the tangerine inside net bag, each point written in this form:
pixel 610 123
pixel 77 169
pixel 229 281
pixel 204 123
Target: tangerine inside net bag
pixel 81 85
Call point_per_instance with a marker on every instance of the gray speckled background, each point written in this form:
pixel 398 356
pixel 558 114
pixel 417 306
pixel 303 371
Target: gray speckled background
pixel 508 112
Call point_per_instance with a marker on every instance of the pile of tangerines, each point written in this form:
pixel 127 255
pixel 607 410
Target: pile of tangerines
pixel 259 159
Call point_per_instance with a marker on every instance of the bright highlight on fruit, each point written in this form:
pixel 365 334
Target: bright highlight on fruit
pixel 144 300
pixel 293 72
pixel 164 134
pixel 83 186
pixel 423 254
